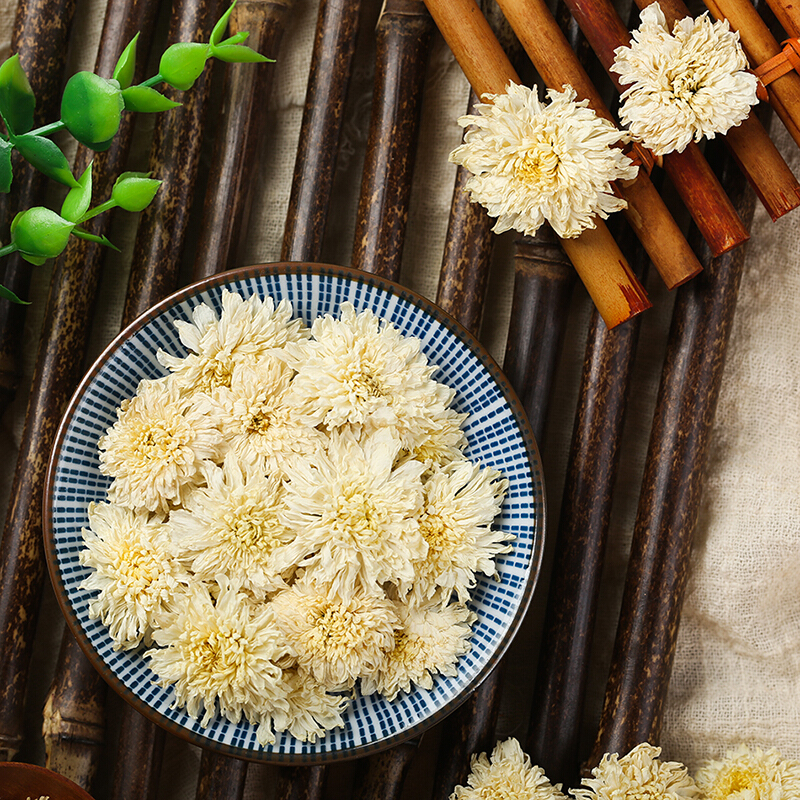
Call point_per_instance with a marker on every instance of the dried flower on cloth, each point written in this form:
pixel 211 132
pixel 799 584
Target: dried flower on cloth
pixel 747 774
pixel 640 773
pixel 134 569
pixel 686 84
pixel 533 162
pixel 507 773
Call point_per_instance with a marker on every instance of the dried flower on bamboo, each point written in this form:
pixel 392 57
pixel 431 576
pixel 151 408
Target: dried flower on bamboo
pixel 750 774
pixel 134 569
pixel 688 84
pixel 223 656
pixel 430 640
pixel 156 448
pixel 507 773
pixel 230 526
pixel 533 162
pixel 640 773
pixel 245 332
pixel 336 639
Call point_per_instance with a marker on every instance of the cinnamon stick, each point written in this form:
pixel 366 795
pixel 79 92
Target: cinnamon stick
pixel 41 28
pixel 328 80
pixel 245 94
pixel 595 255
pixel 758 157
pixel 403 35
pixel 760 45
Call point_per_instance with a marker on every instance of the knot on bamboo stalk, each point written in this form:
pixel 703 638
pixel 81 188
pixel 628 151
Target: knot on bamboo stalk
pixel 777 66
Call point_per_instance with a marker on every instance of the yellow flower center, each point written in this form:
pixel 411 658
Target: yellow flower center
pixel 216 372
pixel 685 85
pixel 250 531
pixel 333 628
pixel 357 514
pixel 136 566
pixel 538 165
pixel 215 655
pixel 364 383
pixel 440 534
pixel 735 780
pixel 157 442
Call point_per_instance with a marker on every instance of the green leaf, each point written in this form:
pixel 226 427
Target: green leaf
pixel 40 233
pixel 219 28
pixel 37 261
pixel 91 108
pixel 123 72
pixel 78 199
pixel 143 98
pixel 5 165
pixel 183 63
pixel 17 100
pixel 9 295
pixel 91 237
pixel 134 191
pixel 46 157
pixel 238 54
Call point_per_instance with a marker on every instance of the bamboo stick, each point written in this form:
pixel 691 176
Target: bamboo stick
pixel 328 80
pixel 670 498
pixel 760 45
pixel 58 366
pixel 300 783
pixel 245 94
pixel 787 15
pixel 139 753
pixel 594 253
pixel 403 35
pixel 221 776
pixel 41 28
pixel 700 190
pixel 758 157
pixel 385 773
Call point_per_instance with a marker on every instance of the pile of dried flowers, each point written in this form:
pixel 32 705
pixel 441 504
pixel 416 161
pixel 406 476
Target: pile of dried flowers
pixel 291 513
pixel 744 774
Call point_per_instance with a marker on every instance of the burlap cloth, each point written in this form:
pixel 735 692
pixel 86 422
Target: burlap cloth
pixel 737 671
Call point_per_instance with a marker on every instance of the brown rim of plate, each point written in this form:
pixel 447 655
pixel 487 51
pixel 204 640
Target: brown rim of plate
pixel 48 781
pixel 539 513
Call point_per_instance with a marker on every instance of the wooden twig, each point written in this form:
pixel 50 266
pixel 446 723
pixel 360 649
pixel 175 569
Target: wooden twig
pixel 221 776
pixel 328 80
pixel 300 783
pixel 245 96
pixel 669 502
pixel 754 151
pixel 41 28
pixel 58 367
pixel 403 34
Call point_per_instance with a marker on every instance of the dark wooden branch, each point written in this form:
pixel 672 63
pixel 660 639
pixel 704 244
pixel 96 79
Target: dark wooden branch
pixel 139 752
pixel 221 777
pixel 245 98
pixel 669 502
pixel 382 776
pixel 328 81
pixel 403 34
pixel 41 29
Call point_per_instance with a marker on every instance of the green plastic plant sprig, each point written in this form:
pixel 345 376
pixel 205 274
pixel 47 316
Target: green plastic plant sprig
pixel 91 111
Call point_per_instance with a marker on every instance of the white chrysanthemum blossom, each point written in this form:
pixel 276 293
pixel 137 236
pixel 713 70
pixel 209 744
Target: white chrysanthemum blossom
pixel 430 640
pixel 223 656
pixel 134 569
pixel 230 526
pixel 750 774
pixel 246 331
pixel 313 711
pixel 688 84
pixel 259 424
pixel 461 502
pixel 358 370
pixel 355 513
pixel 335 638
pixel 156 448
pixel 533 162
pixel 443 445
pixel 508 773
pixel 640 773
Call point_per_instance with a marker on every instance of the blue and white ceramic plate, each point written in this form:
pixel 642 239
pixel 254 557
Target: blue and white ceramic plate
pixel 498 435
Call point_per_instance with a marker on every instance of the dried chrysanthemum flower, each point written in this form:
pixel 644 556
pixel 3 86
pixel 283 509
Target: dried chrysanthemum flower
pixel 260 425
pixel 231 526
pixel 638 774
pixel 134 569
pixel 430 640
pixel 312 709
pixel 747 774
pixel 358 370
pixel 224 655
pixel 246 331
pixel 461 502
pixel 684 85
pixel 508 773
pixel 355 513
pixel 533 162
pixel 335 638
pixel 156 448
